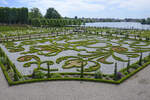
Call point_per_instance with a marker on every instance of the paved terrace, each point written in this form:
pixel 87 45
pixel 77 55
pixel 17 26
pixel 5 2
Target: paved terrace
pixel 135 88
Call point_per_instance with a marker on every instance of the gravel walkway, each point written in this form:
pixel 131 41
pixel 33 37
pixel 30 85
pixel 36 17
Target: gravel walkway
pixel 135 88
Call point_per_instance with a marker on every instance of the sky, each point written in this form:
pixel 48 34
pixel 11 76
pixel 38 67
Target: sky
pixel 88 8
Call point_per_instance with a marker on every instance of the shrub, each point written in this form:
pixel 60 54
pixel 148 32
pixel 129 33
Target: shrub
pixel 98 74
pixel 135 66
pixel 16 78
pixel 140 60
pixel 115 72
pixel 56 75
pixel 119 75
pixel 38 74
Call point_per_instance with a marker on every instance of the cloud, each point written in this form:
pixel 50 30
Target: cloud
pixel 3 2
pixel 87 8
pixel 135 4
pixel 65 6
pixel 130 4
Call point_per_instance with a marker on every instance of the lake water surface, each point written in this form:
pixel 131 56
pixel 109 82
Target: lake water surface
pixel 125 25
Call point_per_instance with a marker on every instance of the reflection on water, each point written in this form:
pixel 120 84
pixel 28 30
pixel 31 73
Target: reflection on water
pixel 126 25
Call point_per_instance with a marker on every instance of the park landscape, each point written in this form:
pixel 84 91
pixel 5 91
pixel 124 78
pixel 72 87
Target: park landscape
pixel 36 48
pixel 74 50
pixel 77 53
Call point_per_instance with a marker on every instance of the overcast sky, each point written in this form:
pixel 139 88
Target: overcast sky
pixel 88 8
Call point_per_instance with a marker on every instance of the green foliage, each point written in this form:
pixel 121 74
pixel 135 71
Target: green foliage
pixel 134 72
pixel 13 15
pixel 48 73
pixel 8 67
pixel 28 58
pixel 74 63
pixel 135 66
pixel 128 65
pixel 56 75
pixel 47 62
pixel 118 58
pixel 35 23
pixel 53 22
pixel 45 69
pixel 37 74
pixel 29 42
pixel 99 52
pixel 52 14
pixel 6 73
pixel 115 72
pixel 132 55
pixel 119 49
pixel 58 60
pixel 17 49
pixel 29 63
pixel 98 74
pixel 145 21
pixel 82 68
pixel 92 68
pixel 16 78
pixel 103 60
pixel 140 60
pixel 35 13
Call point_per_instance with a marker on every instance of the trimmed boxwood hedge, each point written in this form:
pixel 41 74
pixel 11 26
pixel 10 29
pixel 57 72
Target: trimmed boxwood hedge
pixel 10 82
pixel 5 73
pixel 78 43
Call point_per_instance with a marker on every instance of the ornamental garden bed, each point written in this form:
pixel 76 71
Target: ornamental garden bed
pixel 73 57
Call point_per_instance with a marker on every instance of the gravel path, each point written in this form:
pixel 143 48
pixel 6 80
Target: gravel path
pixel 135 88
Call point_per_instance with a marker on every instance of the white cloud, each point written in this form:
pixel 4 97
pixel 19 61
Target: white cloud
pixel 65 6
pixel 131 4
pixel 135 4
pixel 87 7
pixel 3 2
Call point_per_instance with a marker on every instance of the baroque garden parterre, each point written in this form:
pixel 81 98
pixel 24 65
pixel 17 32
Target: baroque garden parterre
pixel 90 54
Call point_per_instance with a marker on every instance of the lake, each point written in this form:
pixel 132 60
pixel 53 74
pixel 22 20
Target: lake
pixel 124 25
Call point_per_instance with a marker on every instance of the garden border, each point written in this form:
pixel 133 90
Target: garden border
pixel 10 82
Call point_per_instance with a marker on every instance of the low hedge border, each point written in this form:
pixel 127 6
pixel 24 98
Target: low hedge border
pixel 134 72
pixel 63 79
pixel 10 82
pixel 6 74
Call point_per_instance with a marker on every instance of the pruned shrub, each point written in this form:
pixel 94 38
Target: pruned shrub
pixel 56 75
pixel 98 74
pixel 38 74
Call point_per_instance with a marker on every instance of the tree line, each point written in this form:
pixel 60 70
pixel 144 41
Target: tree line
pixel 51 19
pixel 145 21
pixel 92 20
pixel 13 15
pixel 34 17
pixel 54 22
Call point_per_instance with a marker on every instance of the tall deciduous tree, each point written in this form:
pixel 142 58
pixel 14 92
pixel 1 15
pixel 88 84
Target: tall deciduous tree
pixel 52 14
pixel 35 13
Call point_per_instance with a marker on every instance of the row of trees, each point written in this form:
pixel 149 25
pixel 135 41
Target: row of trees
pixel 34 17
pixel 13 15
pixel 53 22
pixel 50 14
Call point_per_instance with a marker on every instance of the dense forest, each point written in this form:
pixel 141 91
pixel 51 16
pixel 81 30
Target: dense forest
pixel 34 17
